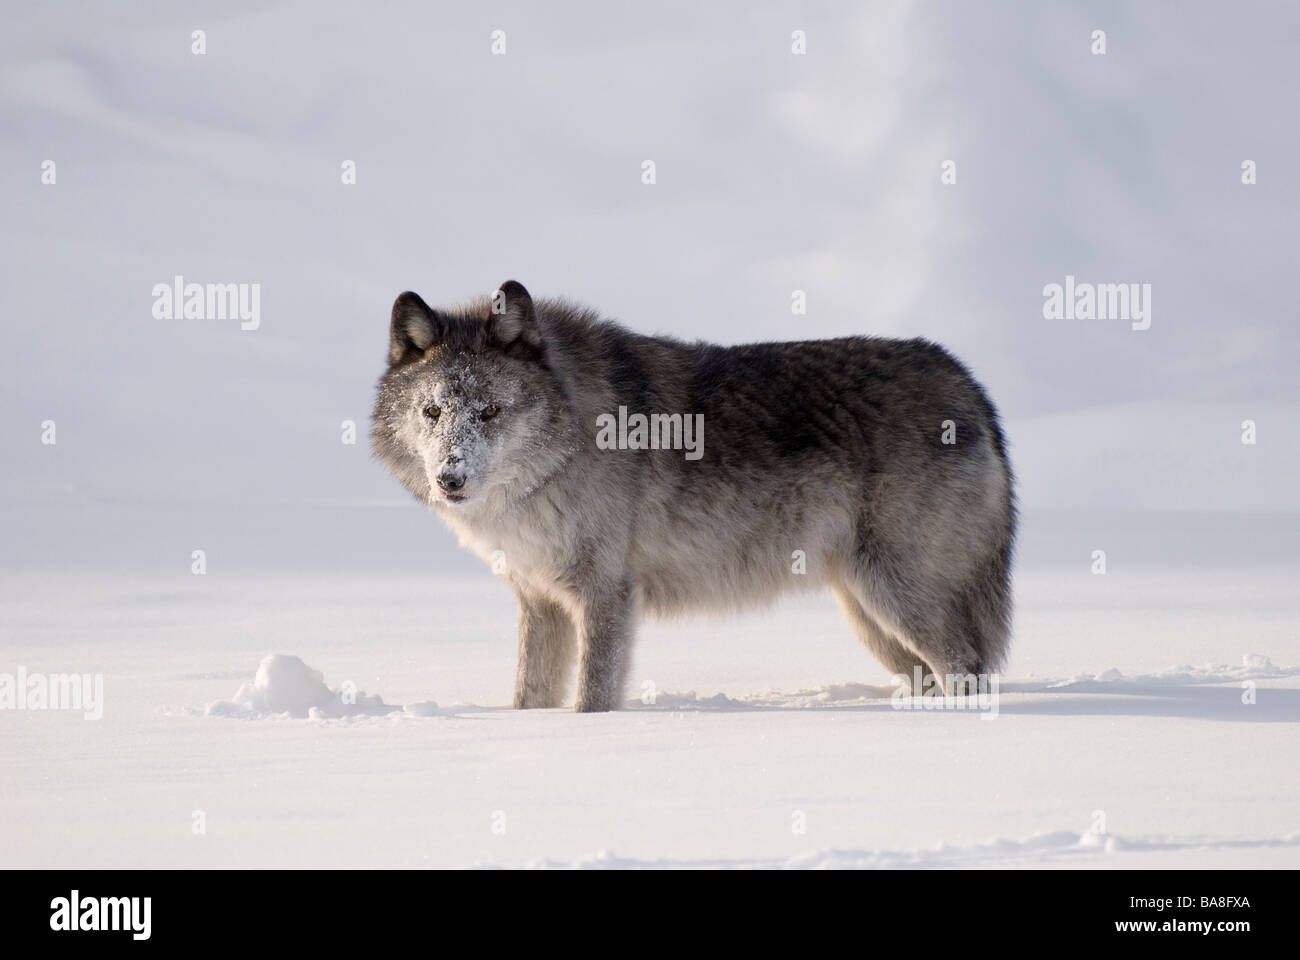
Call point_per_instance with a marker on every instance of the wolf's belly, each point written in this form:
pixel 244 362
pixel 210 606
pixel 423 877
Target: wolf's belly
pixel 690 566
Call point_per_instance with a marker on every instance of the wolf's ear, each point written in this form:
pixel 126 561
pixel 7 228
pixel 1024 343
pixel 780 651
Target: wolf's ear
pixel 414 329
pixel 513 323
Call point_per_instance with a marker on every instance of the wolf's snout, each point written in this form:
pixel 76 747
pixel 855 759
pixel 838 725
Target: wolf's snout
pixel 451 475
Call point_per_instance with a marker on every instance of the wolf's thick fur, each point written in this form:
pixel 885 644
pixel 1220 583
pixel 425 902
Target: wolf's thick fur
pixel 881 460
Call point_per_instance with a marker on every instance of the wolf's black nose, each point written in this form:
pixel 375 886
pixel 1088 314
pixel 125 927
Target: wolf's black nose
pixel 451 475
pixel 450 481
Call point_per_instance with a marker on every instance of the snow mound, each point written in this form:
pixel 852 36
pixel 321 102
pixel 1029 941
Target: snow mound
pixel 422 708
pixel 284 684
pixel 689 700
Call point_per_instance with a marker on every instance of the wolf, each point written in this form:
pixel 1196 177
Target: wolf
pixel 873 468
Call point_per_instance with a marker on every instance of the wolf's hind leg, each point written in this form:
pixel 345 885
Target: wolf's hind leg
pixel 893 656
pixel 547 648
pixel 931 619
pixel 941 634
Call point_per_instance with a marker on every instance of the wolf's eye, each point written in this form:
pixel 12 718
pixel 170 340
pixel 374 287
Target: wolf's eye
pixel 433 411
pixel 488 412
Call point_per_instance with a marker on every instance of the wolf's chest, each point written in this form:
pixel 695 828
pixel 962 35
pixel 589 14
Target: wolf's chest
pixel 527 548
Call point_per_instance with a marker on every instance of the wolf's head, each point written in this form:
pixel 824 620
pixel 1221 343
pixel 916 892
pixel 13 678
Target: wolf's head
pixel 469 404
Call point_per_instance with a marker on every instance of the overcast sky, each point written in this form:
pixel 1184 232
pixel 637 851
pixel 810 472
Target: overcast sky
pixel 775 172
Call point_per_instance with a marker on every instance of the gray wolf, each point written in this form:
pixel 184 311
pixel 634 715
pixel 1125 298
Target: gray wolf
pixel 875 468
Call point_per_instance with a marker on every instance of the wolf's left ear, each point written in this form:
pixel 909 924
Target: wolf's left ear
pixel 513 323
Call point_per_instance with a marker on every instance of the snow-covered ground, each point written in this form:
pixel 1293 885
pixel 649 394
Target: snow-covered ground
pixel 1120 739
pixel 1121 736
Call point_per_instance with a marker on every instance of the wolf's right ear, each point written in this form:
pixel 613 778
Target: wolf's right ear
pixel 415 327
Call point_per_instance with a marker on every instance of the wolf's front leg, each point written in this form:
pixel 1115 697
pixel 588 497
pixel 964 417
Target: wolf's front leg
pixel 605 633
pixel 547 643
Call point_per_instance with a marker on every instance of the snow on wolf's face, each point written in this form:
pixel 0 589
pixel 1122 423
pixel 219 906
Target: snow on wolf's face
pixel 468 404
pixel 470 421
